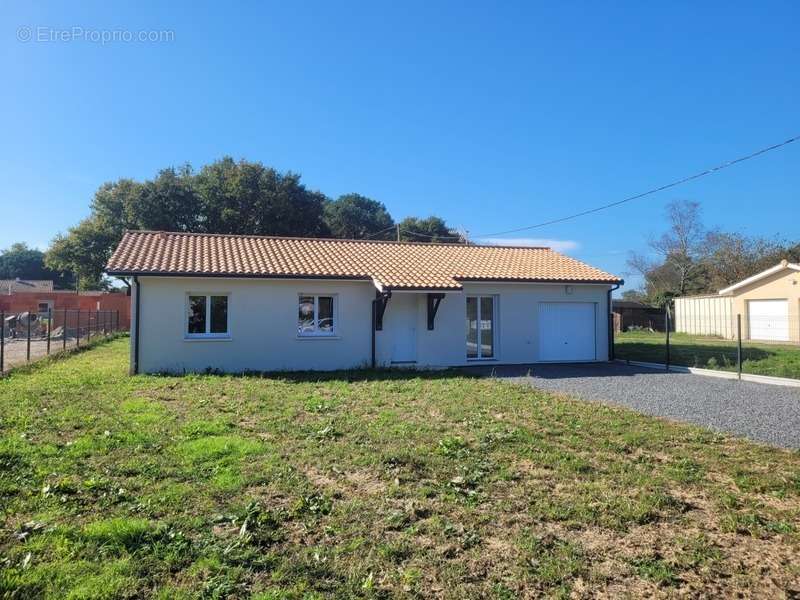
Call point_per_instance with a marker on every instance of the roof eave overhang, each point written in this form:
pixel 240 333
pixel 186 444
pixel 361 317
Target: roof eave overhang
pixel 758 277
pixel 455 288
pixel 545 281
pixel 119 273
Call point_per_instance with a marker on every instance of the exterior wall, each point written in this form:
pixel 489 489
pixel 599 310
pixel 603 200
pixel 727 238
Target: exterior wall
pixel 517 312
pixel 705 315
pixel 784 285
pixel 262 320
pixel 263 325
pixel 19 302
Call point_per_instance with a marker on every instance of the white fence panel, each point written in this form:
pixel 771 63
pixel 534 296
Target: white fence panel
pixel 705 315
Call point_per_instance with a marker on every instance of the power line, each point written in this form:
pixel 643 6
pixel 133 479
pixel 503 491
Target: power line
pixel 719 167
pixel 372 235
pixel 425 235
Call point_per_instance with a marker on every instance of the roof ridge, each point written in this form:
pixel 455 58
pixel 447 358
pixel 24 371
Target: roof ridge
pixel 335 240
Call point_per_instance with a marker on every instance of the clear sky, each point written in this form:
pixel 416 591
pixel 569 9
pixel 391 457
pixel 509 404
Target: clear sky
pixel 491 115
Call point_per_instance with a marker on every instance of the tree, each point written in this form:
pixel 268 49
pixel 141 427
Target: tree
pixel 730 258
pixel 28 263
pixel 84 252
pixel 168 203
pixel 249 198
pixel 353 216
pixel 225 196
pixel 430 229
pixel 693 260
pixel 680 269
pixel 634 296
pixel 681 246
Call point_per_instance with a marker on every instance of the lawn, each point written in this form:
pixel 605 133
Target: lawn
pixel 373 485
pixel 709 353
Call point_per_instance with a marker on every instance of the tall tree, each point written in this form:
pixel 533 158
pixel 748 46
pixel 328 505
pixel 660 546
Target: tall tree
pixel 28 263
pixel 680 269
pixel 681 246
pixel 249 198
pixel 169 202
pixel 84 252
pixel 729 257
pixel 430 229
pixel 353 216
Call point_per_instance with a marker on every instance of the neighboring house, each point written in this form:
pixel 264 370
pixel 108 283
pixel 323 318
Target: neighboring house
pixel 629 313
pixel 768 302
pixel 238 303
pixel 15 286
pixel 25 295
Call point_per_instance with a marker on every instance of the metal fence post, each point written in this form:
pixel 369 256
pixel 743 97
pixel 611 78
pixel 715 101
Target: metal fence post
pixel 88 325
pixel 78 329
pixel 49 327
pixel 64 332
pixel 28 350
pixel 96 323
pixel 739 345
pixel 2 339
pixel 666 321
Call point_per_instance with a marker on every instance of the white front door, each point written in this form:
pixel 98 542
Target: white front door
pixel 567 331
pixel 401 321
pixel 769 319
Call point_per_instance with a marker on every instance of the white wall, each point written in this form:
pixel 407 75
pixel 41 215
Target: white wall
pixel 517 322
pixel 705 315
pixel 262 319
pixel 263 325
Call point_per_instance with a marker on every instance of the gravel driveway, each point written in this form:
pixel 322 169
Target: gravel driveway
pixel 765 413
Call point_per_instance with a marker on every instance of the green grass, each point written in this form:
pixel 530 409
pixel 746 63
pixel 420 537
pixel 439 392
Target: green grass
pixel 372 485
pixel 709 353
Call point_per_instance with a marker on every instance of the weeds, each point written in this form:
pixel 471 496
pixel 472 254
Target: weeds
pixel 371 485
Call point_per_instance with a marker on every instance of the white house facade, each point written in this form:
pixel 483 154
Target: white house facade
pixel 301 318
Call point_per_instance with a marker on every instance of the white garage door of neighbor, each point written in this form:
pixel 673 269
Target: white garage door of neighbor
pixel 769 319
pixel 567 331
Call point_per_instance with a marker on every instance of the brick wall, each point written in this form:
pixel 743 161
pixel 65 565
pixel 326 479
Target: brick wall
pixel 88 301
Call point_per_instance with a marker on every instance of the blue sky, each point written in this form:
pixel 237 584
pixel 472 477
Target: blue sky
pixel 492 117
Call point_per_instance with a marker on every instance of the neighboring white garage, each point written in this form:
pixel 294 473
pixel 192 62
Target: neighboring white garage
pixel 769 320
pixel 567 331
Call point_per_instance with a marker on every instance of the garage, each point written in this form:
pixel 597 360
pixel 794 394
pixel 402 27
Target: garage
pixel 567 331
pixel 768 319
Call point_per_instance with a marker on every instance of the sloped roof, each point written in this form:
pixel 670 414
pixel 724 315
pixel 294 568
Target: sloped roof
pixel 392 265
pixel 784 264
pixel 12 286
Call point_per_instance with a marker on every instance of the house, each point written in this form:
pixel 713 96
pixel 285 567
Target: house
pixel 768 305
pixel 15 286
pixel 238 303
pixel 38 296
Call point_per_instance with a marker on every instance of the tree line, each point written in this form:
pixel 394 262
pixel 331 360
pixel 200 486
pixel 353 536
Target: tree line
pixel 689 259
pixel 226 196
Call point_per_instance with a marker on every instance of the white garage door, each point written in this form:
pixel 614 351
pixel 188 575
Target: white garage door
pixel 567 331
pixel 769 319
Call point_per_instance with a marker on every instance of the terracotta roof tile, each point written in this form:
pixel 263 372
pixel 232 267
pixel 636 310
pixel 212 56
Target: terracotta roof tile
pixel 391 264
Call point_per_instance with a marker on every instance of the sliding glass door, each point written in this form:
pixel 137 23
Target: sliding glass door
pixel 480 326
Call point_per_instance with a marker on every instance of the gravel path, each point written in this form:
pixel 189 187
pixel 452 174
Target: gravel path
pixel 765 413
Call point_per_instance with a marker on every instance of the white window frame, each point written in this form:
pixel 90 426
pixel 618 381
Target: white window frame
pixel 495 302
pixel 316 333
pixel 207 335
